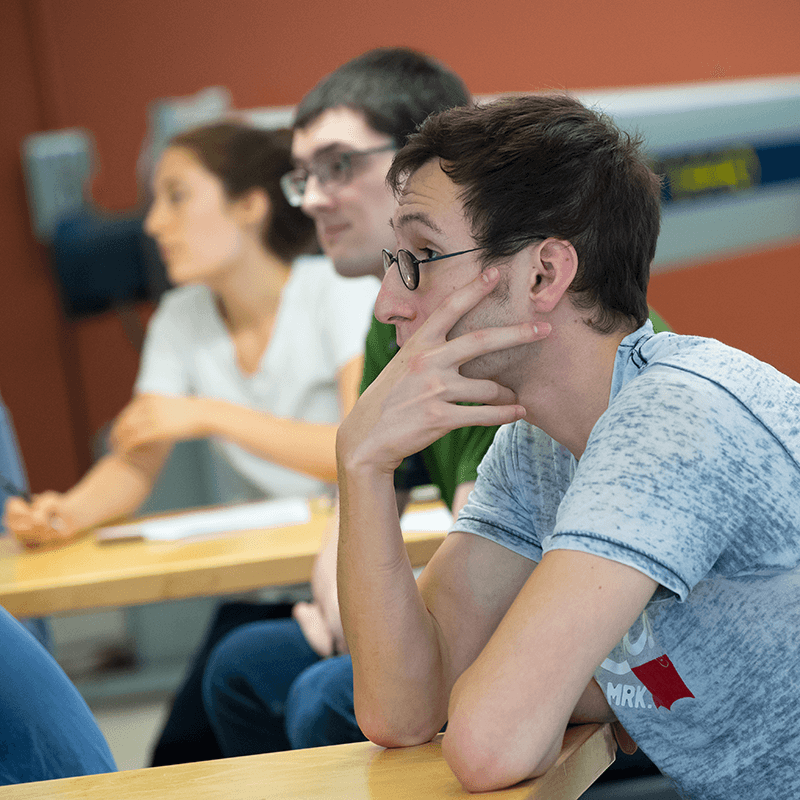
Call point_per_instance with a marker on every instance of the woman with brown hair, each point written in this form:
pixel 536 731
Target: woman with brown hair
pixel 258 349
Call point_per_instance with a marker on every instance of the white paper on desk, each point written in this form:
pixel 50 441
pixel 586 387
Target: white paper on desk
pixel 430 519
pixel 245 517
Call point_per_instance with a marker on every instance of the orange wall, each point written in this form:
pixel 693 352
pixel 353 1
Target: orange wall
pixel 98 65
pixel 748 302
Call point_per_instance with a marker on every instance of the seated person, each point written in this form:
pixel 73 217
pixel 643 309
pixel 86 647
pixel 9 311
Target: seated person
pixel 272 685
pixel 259 348
pixel 47 731
pixel 630 552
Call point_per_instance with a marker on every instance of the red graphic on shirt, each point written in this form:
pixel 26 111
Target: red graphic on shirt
pixel 661 679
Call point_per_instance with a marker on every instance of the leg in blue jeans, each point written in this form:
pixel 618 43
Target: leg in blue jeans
pixel 46 728
pixel 246 685
pixel 319 710
pixel 187 734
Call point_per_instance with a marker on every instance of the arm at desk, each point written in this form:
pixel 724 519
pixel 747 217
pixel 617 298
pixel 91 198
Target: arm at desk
pixel 340 772
pixel 321 620
pixel 307 447
pixel 115 486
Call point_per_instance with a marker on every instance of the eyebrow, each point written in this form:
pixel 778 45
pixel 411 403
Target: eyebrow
pixel 329 148
pixel 416 216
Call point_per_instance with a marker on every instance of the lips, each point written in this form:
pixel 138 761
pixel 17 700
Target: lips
pixel 331 232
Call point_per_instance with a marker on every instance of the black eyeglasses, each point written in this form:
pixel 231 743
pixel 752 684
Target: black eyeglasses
pixel 408 264
pixel 332 171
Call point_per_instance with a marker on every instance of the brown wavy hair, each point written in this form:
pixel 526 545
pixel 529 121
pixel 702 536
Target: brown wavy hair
pixel 543 166
pixel 244 158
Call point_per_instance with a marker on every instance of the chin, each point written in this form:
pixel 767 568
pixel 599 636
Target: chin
pixel 353 267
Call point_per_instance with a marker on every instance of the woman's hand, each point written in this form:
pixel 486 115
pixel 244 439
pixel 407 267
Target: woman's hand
pixel 156 418
pixel 45 521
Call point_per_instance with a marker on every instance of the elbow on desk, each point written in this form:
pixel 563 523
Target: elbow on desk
pixel 483 761
pixel 386 731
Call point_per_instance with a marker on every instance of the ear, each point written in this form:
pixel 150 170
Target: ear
pixel 554 263
pixel 253 208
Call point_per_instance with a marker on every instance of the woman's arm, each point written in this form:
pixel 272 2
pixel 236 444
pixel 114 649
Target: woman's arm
pixel 117 485
pixel 306 447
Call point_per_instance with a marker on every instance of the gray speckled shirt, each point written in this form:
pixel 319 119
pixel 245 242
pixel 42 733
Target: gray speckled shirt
pixel 691 476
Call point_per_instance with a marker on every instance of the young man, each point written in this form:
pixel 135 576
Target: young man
pixel 631 549
pixel 267 686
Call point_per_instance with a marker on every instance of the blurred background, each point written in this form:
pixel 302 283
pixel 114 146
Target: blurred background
pixel 101 66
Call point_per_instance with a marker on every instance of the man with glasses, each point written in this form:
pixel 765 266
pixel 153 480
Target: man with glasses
pixel 265 688
pixel 630 552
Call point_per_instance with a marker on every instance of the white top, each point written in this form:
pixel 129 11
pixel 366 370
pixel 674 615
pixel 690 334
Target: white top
pixel 322 324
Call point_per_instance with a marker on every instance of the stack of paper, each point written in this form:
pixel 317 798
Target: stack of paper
pixel 248 516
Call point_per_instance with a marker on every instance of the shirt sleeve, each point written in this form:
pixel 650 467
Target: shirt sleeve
pixel 164 368
pixel 660 485
pixel 454 459
pixel 521 481
pixel 11 467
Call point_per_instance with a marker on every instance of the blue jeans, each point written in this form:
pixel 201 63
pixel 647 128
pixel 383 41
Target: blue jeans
pixel 46 728
pixel 187 734
pixel 265 689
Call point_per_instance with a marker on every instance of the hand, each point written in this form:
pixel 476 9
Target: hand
pixel 312 623
pixel 156 418
pixel 414 401
pixel 323 589
pixel 45 521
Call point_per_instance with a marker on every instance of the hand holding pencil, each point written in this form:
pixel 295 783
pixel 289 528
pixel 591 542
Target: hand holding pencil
pixel 40 520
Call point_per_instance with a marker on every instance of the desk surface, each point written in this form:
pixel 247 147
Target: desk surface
pixel 344 772
pixel 87 574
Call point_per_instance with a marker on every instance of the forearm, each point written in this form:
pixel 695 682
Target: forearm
pixel 397 663
pixel 306 447
pixel 116 486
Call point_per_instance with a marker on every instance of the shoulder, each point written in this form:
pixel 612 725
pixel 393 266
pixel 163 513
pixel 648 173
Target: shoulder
pixel 184 317
pixel 381 341
pixel 307 268
pixel 711 365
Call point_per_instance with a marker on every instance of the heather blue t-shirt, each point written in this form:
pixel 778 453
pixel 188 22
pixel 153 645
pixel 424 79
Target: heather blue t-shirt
pixel 691 476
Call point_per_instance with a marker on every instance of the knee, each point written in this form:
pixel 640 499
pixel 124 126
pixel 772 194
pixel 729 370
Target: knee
pixel 319 709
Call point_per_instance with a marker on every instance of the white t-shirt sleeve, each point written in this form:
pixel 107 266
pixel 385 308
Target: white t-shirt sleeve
pixel 348 307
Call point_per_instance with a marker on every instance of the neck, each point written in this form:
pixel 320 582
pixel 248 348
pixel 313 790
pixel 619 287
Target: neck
pixel 567 389
pixel 250 292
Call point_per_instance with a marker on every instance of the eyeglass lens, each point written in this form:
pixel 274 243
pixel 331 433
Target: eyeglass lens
pixel 407 266
pixel 330 170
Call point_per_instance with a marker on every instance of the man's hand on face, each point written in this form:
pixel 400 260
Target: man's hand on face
pixel 414 401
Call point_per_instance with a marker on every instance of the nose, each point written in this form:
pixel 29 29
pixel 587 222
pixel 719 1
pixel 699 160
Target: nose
pixel 315 198
pixel 153 222
pixel 394 303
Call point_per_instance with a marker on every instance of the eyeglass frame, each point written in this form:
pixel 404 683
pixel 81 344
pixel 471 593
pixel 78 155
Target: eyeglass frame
pixel 288 181
pixel 411 281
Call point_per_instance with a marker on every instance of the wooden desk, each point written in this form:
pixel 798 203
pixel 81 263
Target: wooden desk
pixel 89 575
pixel 344 772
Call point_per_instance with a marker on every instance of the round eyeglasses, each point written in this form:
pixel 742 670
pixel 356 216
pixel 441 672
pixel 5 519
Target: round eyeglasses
pixel 408 264
pixel 332 171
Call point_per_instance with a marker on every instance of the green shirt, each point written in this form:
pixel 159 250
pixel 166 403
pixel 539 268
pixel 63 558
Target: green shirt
pixel 453 459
